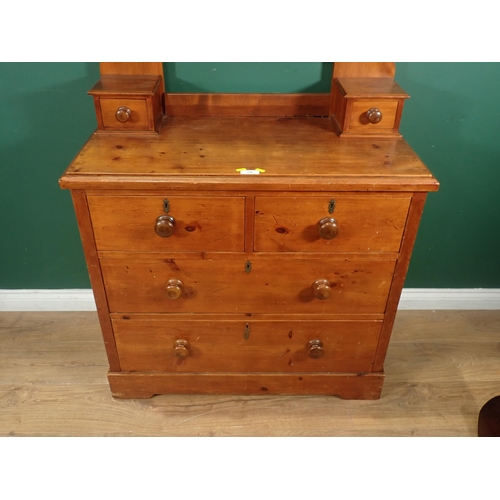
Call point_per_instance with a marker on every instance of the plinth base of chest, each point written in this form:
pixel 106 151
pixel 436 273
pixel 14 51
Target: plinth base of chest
pixel 345 386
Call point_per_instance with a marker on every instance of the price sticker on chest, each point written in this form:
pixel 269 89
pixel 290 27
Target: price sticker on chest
pixel 246 171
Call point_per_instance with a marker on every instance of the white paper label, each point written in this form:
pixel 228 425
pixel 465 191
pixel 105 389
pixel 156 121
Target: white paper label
pixel 250 172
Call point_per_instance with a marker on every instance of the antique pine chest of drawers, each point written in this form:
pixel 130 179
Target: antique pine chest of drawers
pixel 246 248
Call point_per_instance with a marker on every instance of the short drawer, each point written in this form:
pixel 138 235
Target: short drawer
pixel 126 114
pixel 337 223
pixel 364 107
pixel 245 345
pixel 373 116
pixel 128 103
pixel 211 284
pixel 168 223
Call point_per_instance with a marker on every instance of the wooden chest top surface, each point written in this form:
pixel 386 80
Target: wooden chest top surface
pixel 292 151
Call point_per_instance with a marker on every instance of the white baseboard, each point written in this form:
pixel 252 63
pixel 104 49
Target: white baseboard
pixel 411 299
pixel 450 298
pixel 47 300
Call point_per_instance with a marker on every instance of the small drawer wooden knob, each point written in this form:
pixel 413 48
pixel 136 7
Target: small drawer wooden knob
pixel 374 115
pixel 164 227
pixel 328 228
pixel 174 289
pixel 315 348
pixel 123 114
pixel 322 289
pixel 181 349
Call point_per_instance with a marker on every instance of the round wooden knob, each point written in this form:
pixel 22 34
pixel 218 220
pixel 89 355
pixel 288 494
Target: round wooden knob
pixel 165 226
pixel 315 348
pixel 374 115
pixel 181 349
pixel 174 289
pixel 123 114
pixel 322 289
pixel 328 228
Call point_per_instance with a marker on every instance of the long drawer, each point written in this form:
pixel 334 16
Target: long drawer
pixel 245 345
pixel 204 283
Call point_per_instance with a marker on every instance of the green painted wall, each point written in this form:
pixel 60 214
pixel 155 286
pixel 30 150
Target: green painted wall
pixel 452 121
pixel 46 117
pixel 248 77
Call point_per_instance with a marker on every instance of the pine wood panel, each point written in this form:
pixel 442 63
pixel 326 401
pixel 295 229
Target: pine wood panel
pixel 145 385
pixel 140 119
pixel 409 237
pixel 133 68
pixel 201 223
pixel 222 284
pixel 245 345
pixel 358 120
pixel 95 274
pixel 131 85
pixel 422 395
pixel 247 183
pixel 206 104
pixel 284 148
pixel 367 223
pixel 364 70
pixel 374 88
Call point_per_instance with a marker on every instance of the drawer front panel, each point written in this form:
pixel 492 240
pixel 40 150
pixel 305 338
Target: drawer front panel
pixel 245 346
pixel 200 223
pixel 365 223
pixel 359 120
pixel 234 285
pixel 139 118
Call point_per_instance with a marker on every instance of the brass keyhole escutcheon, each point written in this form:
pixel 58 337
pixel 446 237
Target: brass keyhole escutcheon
pixel 374 115
pixel 328 228
pixel 164 226
pixel 174 289
pixel 322 289
pixel 123 114
pixel 315 348
pixel 181 349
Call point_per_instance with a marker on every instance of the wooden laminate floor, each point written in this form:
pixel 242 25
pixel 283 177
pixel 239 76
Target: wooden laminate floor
pixel 441 367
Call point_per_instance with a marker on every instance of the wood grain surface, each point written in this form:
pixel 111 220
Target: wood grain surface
pixel 245 345
pixel 220 283
pixel 284 147
pixel 367 223
pixel 206 104
pixel 201 223
pixel 440 369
